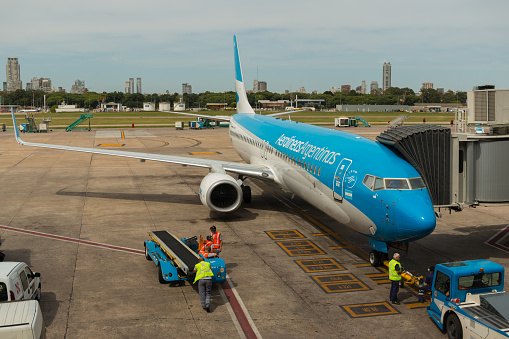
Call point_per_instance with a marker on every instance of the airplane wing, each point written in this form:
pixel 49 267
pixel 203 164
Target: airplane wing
pixel 283 113
pixel 212 117
pixel 253 171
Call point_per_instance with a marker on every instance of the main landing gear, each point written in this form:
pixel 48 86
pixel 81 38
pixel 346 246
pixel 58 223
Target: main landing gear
pixel 377 257
pixel 246 194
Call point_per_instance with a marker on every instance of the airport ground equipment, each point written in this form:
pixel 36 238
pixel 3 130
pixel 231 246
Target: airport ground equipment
pixel 81 119
pixel 179 125
pixel 468 301
pixel 175 258
pixel 350 122
pixel 398 121
pixel 361 120
pixel 4 128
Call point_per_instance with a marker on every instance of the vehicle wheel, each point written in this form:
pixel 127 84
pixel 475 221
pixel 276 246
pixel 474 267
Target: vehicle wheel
pixel 246 194
pixel 160 274
pixel 374 258
pixel 147 256
pixel 453 327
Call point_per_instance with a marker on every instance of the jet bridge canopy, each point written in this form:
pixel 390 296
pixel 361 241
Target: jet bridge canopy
pixel 428 149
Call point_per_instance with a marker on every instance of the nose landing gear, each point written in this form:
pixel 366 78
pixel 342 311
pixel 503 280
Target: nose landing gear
pixel 377 257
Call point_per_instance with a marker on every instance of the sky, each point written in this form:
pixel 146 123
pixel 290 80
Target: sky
pixel 456 44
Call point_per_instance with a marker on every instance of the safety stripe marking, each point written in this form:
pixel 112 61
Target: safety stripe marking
pixel 201 153
pixel 417 305
pixel 369 310
pixel 244 320
pixel 73 240
pixel 122 134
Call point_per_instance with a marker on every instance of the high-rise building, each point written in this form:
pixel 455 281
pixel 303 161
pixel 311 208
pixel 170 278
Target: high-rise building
pixel 386 76
pixel 427 85
pixel 78 87
pixel 127 90
pixel 13 75
pixel 259 86
pixel 302 90
pixel 131 85
pixel 346 88
pixel 186 88
pixel 364 87
pixel 373 88
pixel 138 85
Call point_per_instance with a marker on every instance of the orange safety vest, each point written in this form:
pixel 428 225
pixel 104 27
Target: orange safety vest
pixel 207 243
pixel 216 238
pixel 206 254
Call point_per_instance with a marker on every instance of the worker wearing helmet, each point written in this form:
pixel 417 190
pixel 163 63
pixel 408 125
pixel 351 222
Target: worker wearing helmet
pixel 217 240
pixel 395 271
pixel 204 277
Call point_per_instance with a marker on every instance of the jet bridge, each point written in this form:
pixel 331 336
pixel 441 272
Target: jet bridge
pixel 460 169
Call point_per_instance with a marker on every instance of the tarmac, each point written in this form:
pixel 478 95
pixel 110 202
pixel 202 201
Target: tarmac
pixel 81 220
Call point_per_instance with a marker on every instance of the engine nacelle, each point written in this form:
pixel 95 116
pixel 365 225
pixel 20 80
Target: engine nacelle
pixel 220 192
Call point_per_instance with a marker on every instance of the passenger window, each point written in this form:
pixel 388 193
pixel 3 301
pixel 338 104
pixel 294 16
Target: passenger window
pixel 379 184
pixel 368 181
pixel 443 283
pixel 319 168
pixel 24 280
pixel 3 292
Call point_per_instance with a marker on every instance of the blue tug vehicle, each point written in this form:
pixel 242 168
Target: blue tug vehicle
pixel 175 258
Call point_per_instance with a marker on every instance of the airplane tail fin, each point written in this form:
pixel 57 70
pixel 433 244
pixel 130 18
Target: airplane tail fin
pixel 16 131
pixel 243 105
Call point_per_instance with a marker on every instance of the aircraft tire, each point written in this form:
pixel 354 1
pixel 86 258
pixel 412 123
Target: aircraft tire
pixel 375 258
pixel 246 194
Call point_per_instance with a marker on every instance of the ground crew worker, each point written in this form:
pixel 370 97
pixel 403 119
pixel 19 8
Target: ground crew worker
pixel 395 271
pixel 206 243
pixel 427 283
pixel 204 277
pixel 217 240
pixel 207 253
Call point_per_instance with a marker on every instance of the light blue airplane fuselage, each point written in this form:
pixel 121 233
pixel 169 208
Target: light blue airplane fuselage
pixel 327 168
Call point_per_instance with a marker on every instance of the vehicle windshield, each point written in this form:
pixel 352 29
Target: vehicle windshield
pixel 416 183
pixel 396 184
pixel 377 183
pixel 3 292
pixel 481 280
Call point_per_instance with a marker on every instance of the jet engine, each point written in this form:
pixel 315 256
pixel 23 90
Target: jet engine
pixel 220 192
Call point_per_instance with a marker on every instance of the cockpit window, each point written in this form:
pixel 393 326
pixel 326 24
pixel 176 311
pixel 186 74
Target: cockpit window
pixel 396 184
pixel 379 184
pixel 416 183
pixel 368 181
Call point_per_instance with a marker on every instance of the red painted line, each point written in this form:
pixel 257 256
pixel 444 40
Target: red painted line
pixel 84 242
pixel 239 313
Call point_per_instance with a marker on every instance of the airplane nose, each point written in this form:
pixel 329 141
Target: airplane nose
pixel 415 217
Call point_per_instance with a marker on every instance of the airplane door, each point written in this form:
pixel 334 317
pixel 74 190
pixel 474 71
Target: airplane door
pixel 263 149
pixel 339 179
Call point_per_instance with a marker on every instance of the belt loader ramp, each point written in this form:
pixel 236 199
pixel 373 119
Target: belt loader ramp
pixel 175 258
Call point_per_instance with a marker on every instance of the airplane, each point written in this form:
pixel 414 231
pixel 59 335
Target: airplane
pixel 359 182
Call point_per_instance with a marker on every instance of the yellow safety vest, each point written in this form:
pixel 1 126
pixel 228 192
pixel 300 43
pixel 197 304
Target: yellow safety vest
pixel 203 270
pixel 393 275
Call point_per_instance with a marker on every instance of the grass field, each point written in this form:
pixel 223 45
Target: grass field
pixel 162 119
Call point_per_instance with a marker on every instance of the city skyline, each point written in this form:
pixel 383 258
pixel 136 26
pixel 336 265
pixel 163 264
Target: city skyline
pixel 456 47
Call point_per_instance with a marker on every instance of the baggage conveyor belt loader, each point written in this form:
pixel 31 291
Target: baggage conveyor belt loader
pixel 175 258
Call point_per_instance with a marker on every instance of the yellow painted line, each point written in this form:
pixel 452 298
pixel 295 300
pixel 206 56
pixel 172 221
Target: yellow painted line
pixel 362 265
pixel 110 145
pixel 418 305
pixel 337 247
pixel 334 235
pixel 319 265
pixel 382 281
pixel 321 234
pixel 299 247
pixel 122 133
pixel 376 275
pixel 285 234
pixel 201 153
pixel 369 310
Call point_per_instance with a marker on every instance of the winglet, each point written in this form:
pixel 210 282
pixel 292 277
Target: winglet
pixel 16 131
pixel 243 105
